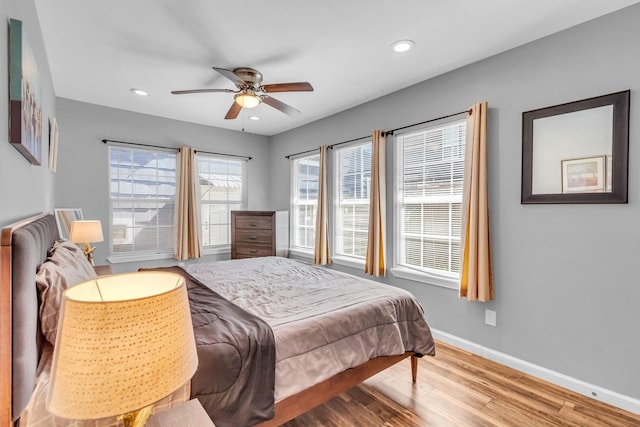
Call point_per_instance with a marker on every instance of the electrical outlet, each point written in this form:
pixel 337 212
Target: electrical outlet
pixel 490 317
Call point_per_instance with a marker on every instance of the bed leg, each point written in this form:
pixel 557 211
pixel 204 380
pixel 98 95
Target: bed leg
pixel 414 368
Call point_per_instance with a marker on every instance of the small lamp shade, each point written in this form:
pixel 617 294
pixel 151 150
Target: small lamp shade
pixel 124 342
pixel 88 231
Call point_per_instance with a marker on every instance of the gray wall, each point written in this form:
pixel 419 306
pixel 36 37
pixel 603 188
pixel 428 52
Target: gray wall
pixel 566 277
pixel 82 180
pixel 25 189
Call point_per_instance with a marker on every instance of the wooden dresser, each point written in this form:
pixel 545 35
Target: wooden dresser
pixel 259 233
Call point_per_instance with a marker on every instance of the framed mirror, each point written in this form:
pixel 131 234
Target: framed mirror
pixel 64 218
pixel 577 152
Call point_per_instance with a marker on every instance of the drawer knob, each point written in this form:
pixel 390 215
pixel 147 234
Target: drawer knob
pixel 253 251
pixel 253 237
pixel 254 224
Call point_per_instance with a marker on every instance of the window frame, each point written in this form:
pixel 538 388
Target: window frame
pixel 341 257
pixel 145 255
pixel 293 247
pixel 226 247
pixel 430 276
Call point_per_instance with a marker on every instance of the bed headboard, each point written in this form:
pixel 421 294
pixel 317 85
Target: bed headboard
pixel 24 247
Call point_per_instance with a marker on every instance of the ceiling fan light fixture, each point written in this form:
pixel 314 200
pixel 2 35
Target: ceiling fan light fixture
pixel 402 46
pixel 247 100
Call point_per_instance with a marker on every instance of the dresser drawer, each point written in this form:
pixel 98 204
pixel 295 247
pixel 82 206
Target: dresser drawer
pixel 254 236
pixel 254 222
pixel 245 250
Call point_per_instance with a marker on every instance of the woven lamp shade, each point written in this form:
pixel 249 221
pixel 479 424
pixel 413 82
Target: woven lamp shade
pixel 124 342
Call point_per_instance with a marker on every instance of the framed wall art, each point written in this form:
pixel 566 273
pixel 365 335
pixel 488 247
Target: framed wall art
pixel 577 152
pixel 25 96
pixel 584 175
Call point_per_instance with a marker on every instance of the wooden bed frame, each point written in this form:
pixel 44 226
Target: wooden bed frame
pixel 285 410
pixel 289 408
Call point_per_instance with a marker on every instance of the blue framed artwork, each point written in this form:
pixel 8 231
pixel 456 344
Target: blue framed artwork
pixel 25 96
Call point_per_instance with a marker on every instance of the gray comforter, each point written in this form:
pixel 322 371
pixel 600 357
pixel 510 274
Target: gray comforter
pixel 236 351
pixel 324 321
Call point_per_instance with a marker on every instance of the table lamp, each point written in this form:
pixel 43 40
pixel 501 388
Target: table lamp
pixel 88 231
pixel 124 342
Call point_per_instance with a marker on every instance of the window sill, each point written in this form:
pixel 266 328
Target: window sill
pixel 119 259
pixel 301 253
pixel 429 279
pixel 348 261
pixel 216 250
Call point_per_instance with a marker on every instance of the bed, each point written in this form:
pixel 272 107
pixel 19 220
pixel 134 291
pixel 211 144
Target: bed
pixel 25 246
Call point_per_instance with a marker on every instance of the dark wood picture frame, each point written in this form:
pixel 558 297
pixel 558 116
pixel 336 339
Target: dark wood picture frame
pixel 619 151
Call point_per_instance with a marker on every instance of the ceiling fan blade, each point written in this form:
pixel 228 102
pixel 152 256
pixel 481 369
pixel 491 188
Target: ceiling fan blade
pixel 288 87
pixel 233 111
pixel 279 105
pixel 231 76
pixel 184 92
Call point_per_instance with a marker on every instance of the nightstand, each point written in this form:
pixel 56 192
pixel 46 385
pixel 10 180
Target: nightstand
pixel 102 270
pixel 188 414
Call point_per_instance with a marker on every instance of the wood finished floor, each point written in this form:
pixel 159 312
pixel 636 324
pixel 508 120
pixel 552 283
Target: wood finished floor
pixel 457 388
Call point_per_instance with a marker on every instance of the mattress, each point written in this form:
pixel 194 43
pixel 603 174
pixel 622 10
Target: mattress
pixel 324 321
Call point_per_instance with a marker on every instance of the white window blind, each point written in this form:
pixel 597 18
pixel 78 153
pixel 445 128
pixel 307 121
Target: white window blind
pixel 222 189
pixel 304 201
pixel 429 189
pixel 142 200
pixel 353 180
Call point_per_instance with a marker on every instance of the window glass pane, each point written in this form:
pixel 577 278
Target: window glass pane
pixel 353 178
pixel 429 188
pixel 143 187
pixel 221 191
pixel 304 201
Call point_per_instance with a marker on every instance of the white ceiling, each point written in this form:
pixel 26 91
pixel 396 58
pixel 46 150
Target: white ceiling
pixel 98 50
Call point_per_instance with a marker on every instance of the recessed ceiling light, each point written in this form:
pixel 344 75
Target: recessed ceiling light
pixel 254 118
pixel 139 92
pixel 402 46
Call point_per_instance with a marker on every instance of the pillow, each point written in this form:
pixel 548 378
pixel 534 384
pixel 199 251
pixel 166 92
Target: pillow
pixel 65 267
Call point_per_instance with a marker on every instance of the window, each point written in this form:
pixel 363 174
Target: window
pixel 305 201
pixel 353 180
pixel 142 200
pixel 222 189
pixel 429 194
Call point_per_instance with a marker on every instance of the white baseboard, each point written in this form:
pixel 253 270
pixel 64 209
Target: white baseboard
pixel 599 393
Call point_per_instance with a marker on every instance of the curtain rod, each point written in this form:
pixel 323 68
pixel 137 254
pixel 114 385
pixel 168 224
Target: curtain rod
pixel 346 142
pixel 288 156
pixel 175 149
pixel 328 146
pixel 389 132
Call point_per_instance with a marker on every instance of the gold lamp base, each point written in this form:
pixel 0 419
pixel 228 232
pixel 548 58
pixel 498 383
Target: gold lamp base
pixel 88 252
pixel 137 418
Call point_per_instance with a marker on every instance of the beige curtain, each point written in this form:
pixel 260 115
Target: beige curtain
pixel 321 253
pixel 187 224
pixel 375 259
pixel 476 277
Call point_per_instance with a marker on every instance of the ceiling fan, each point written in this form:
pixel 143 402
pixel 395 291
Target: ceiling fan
pixel 252 92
